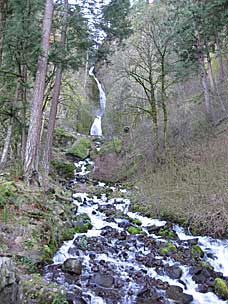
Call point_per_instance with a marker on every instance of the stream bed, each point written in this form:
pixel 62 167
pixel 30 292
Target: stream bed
pixel 121 257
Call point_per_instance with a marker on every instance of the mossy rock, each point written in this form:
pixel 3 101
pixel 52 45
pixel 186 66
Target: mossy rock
pixel 62 137
pixel 168 249
pixel 64 169
pixel 82 223
pixel 197 252
pixel 80 149
pixel 166 233
pixel 136 222
pixel 221 288
pixel 135 230
pixel 112 146
pixel 206 265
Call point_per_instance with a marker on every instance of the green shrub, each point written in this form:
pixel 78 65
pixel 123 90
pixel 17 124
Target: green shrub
pixel 63 168
pixel 63 137
pixel 112 146
pixel 7 192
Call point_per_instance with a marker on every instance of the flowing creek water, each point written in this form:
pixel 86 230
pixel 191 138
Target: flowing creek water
pixel 109 264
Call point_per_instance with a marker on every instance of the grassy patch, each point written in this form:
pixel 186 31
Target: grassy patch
pixel 38 291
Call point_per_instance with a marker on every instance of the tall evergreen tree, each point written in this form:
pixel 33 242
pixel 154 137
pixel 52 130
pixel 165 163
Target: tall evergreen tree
pixel 20 53
pixel 33 140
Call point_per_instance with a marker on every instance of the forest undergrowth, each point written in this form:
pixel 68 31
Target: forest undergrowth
pixel 191 188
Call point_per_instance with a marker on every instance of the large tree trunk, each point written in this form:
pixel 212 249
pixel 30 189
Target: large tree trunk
pixel 55 99
pixel 38 94
pixel 3 4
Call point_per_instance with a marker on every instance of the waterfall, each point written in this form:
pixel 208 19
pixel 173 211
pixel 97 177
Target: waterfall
pixel 96 126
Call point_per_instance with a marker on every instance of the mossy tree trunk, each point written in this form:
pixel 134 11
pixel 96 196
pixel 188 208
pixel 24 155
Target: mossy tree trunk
pixel 154 116
pixel 38 94
pixel 55 98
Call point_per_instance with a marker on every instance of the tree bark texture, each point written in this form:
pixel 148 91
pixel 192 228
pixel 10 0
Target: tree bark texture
pixel 55 99
pixel 23 112
pixel 163 101
pixel 3 4
pixel 38 95
pixel 220 59
pixel 5 151
pixel 214 86
pixel 154 116
pixel 204 81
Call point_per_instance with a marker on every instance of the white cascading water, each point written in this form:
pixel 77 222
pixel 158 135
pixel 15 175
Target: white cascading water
pixel 96 129
pixel 92 205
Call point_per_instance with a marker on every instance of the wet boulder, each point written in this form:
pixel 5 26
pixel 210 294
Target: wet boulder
pixel 104 280
pixel 108 231
pixel 73 266
pixel 174 272
pixel 201 275
pixel 148 296
pixel 176 293
pixel 167 249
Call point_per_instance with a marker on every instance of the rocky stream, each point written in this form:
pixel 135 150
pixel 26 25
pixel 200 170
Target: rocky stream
pixel 121 257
